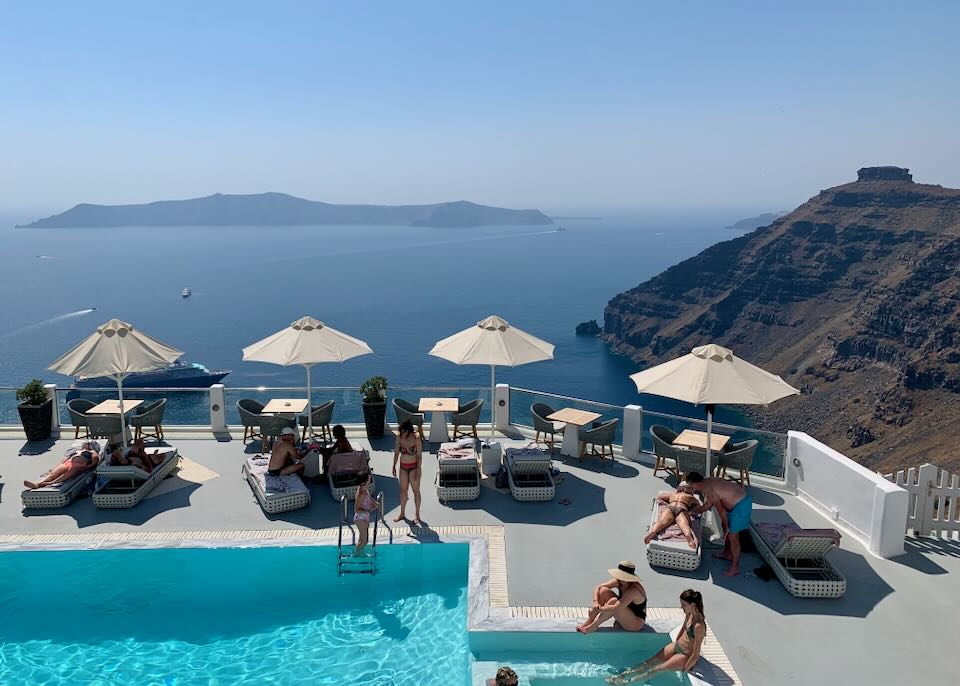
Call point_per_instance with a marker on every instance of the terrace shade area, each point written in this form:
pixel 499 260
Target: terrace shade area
pixel 896 623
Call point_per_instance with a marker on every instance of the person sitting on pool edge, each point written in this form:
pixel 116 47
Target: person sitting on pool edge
pixel 505 677
pixel 679 656
pixel 284 458
pixel 623 598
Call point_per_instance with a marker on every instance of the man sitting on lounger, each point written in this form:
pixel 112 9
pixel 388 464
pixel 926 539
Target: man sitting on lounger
pixel 76 461
pixel 285 458
pixel 677 507
pixel 734 507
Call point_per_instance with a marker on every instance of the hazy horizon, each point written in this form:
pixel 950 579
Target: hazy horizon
pixel 541 105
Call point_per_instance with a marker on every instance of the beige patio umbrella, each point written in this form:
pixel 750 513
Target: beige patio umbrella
pixel 711 375
pixel 115 349
pixel 494 342
pixel 306 342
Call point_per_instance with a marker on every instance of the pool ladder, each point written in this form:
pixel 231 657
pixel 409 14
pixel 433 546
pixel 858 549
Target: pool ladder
pixel 347 563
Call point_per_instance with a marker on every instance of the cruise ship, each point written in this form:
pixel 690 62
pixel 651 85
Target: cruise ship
pixel 177 375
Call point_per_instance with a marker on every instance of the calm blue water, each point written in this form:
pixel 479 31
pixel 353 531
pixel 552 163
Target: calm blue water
pixel 399 288
pixel 234 616
pixel 570 659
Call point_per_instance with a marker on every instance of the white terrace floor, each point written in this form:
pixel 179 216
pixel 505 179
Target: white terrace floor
pixel 896 625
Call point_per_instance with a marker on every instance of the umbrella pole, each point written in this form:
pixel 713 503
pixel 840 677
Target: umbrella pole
pixel 309 405
pixel 709 434
pixel 123 419
pixel 493 392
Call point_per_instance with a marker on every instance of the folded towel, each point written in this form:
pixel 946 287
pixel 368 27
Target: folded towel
pixel 274 484
pixel 774 533
pixel 456 453
pixel 466 443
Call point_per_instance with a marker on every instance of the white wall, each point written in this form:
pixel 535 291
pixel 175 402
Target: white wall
pixel 862 503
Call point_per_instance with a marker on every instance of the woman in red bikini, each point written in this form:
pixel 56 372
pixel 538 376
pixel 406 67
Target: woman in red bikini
pixel 409 452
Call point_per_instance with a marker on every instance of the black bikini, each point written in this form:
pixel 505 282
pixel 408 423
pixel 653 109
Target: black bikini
pixel 639 609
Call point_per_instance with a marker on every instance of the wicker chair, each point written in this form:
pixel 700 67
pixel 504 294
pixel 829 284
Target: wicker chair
pixel 601 435
pixel 271 426
pixel 407 410
pixel 738 456
pixel 690 460
pixel 147 416
pixel 322 416
pixel 103 425
pixel 663 449
pixel 469 415
pixel 250 410
pixel 542 425
pixel 78 408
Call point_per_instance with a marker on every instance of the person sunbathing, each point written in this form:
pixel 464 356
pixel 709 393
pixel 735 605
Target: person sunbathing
pixel 677 508
pixel 76 461
pixel 136 456
pixel 679 656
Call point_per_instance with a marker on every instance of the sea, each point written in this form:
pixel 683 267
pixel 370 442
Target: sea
pixel 399 288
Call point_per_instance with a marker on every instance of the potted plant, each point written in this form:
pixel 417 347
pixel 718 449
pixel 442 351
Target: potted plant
pixel 36 410
pixel 374 391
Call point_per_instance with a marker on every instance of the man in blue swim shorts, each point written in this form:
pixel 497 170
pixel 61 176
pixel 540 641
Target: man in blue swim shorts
pixel 734 508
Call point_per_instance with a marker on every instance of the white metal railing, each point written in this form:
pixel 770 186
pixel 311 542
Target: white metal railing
pixel 934 509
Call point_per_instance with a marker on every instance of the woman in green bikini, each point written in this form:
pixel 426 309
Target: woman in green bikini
pixel 680 655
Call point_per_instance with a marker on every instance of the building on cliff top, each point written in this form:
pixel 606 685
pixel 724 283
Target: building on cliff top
pixel 884 174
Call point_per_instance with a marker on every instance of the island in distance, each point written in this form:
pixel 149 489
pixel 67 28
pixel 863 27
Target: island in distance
pixel 280 209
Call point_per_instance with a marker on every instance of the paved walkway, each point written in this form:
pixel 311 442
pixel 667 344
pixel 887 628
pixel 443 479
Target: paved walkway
pixel 895 625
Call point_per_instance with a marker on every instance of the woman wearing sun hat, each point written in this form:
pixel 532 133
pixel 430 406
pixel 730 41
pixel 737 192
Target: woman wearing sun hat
pixel 622 597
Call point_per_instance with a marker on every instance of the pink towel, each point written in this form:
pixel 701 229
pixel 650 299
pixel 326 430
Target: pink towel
pixel 456 453
pixel 348 462
pixel 673 531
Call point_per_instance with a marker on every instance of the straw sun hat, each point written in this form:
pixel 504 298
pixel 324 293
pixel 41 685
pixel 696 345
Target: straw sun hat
pixel 625 571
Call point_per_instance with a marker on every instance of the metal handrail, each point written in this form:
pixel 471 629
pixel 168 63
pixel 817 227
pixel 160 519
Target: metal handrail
pixel 715 424
pixel 343 522
pixel 380 519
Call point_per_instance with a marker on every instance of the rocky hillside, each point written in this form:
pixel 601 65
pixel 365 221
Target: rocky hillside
pixel 854 298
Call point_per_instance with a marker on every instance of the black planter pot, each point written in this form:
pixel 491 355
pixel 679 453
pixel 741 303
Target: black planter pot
pixel 36 420
pixel 374 416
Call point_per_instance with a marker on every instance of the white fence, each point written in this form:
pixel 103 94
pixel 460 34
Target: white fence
pixel 934 509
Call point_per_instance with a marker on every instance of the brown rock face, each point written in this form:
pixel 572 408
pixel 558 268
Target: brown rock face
pixel 854 298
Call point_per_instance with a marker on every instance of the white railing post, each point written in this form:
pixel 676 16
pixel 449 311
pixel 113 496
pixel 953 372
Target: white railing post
pixel 51 389
pixel 501 407
pixel 632 431
pixel 218 410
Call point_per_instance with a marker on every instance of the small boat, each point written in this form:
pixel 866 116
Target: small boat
pixel 561 228
pixel 185 293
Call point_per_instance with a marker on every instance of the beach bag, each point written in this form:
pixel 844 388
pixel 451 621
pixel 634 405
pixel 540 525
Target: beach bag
pixel 501 480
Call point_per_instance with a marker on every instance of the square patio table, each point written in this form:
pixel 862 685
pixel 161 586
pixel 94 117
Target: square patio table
pixel 698 440
pixel 438 408
pixel 112 406
pixel 285 407
pixel 573 419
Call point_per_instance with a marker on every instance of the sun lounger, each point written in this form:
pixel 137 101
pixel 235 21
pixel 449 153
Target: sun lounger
pixel 670 549
pixel 344 472
pixel 458 471
pixel 274 493
pixel 528 473
pixel 125 486
pixel 799 558
pixel 62 494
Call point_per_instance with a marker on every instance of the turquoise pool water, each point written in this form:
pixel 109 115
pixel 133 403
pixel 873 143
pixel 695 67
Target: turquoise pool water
pixel 218 616
pixel 566 659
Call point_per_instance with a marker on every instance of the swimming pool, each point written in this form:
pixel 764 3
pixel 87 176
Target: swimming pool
pixel 186 616
pixel 566 659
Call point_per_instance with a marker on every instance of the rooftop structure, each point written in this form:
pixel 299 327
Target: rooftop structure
pixel 899 591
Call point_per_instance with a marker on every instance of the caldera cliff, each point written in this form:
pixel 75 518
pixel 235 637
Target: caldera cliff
pixel 854 298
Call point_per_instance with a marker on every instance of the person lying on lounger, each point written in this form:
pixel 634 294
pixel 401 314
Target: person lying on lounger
pixel 136 456
pixel 680 655
pixel 76 461
pixel 623 598
pixel 677 508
